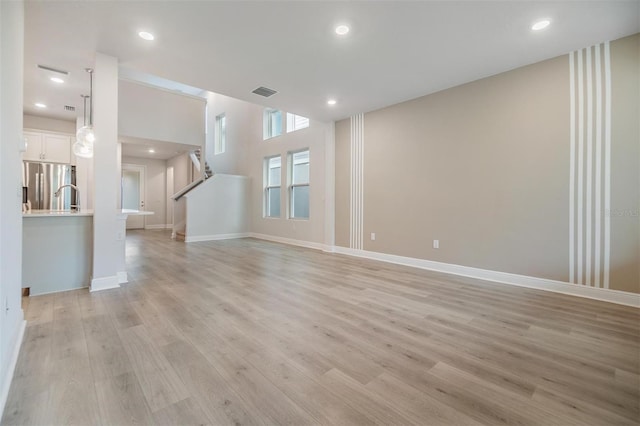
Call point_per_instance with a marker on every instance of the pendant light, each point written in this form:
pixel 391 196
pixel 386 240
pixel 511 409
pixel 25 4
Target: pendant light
pixel 85 137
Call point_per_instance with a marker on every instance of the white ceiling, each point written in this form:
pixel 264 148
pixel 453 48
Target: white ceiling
pixel 395 51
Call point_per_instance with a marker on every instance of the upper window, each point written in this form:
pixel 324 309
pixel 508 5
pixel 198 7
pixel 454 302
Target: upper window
pixel 220 134
pixel 299 187
pixel 296 122
pixel 272 123
pixel 272 177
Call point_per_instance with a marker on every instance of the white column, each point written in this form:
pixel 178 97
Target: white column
pixel 11 106
pixel 107 240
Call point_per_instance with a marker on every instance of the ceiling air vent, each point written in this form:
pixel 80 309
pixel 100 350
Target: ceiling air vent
pixel 264 91
pixel 69 108
pixel 44 67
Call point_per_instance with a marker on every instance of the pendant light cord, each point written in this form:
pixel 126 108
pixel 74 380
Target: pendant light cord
pixel 90 71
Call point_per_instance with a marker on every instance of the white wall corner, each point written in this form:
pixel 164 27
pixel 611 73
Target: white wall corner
pixel 104 283
pixel 330 187
pixel 11 366
pixel 605 295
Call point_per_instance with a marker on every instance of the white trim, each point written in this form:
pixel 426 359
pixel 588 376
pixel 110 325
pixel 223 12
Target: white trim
pixel 58 291
pixel 606 295
pixel 598 201
pixel 356 207
pixel 580 164
pixel 588 247
pixel 572 169
pixel 607 164
pixel 13 361
pixel 292 242
pixel 123 278
pixel 159 226
pixel 104 283
pixel 215 237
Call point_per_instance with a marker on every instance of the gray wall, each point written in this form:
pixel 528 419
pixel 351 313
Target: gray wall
pixel 484 168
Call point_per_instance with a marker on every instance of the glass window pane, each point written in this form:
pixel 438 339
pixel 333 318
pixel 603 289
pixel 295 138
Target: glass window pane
pixel 296 122
pixel 274 171
pixel 273 202
pixel 300 202
pixel 276 123
pixel 274 176
pixel 300 172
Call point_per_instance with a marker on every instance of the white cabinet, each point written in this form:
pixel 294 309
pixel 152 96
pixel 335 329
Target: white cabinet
pixel 49 147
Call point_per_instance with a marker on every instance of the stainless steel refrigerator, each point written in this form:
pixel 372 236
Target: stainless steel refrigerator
pixel 40 182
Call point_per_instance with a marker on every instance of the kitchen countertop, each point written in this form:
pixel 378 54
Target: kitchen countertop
pixel 57 213
pixel 69 213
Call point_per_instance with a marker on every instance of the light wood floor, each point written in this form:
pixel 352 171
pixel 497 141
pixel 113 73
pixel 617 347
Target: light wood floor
pixel 250 332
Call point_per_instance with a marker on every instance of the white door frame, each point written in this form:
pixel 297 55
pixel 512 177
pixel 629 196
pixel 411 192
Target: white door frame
pixel 138 222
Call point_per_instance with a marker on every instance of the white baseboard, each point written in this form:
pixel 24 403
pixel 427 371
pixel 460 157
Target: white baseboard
pixel 104 283
pixel 11 366
pixel 159 226
pixel 290 241
pixel 215 237
pixel 123 277
pixel 606 295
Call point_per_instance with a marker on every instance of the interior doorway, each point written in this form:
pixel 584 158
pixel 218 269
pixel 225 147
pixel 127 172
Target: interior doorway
pixel 133 193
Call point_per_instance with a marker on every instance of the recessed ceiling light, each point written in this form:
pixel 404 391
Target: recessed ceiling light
pixel 57 80
pixel 342 29
pixel 151 150
pixel 145 35
pixel 541 25
pixel 331 102
pixel 40 105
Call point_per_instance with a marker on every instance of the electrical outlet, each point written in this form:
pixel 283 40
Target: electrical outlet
pixel 373 236
pixel 436 244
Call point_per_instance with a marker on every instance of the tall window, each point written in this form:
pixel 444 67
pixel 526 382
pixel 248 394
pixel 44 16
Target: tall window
pixel 299 187
pixel 271 123
pixel 272 173
pixel 296 122
pixel 220 134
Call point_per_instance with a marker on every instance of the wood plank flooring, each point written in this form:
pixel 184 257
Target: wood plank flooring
pixel 245 332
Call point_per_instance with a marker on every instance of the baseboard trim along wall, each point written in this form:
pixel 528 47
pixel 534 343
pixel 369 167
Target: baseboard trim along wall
pixel 159 226
pixel 6 385
pixel 104 283
pixel 602 294
pixel 290 241
pixel 215 237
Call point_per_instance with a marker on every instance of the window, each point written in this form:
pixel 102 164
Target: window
pixel 272 173
pixel 299 188
pixel 296 122
pixel 220 134
pixel 272 123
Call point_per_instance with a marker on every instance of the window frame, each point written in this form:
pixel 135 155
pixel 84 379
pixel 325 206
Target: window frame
pixel 267 123
pixel 220 134
pixel 291 185
pixel 267 187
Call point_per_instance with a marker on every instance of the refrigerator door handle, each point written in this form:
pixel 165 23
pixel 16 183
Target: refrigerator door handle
pixel 38 188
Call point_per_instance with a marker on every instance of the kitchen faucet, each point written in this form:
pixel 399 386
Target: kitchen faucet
pixel 57 194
